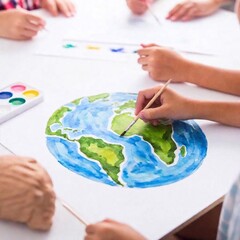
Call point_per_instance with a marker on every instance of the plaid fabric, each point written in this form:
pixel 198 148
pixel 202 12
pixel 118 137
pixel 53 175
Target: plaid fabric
pixel 229 225
pixel 26 4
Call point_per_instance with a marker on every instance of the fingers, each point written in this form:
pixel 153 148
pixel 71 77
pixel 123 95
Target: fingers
pixel 150 48
pixel 35 20
pixel 143 59
pixel 30 30
pixel 96 231
pixel 90 229
pixel 149 45
pixel 143 51
pixel 147 57
pixel 180 11
pixel 173 12
pixel 51 6
pixel 63 8
pixel 191 14
pixel 66 8
pixel 143 98
pixel 144 62
pixel 71 9
pixel 90 238
pixel 55 7
pixel 152 114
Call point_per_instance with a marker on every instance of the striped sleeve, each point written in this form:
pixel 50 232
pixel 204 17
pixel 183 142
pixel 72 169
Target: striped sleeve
pixel 229 225
pixel 25 4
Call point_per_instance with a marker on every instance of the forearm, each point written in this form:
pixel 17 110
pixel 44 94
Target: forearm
pixel 227 113
pixel 223 80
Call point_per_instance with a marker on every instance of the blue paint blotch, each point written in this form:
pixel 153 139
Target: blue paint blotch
pixel 117 50
pixel 5 95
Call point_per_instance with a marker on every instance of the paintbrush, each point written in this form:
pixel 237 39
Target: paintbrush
pixel 152 13
pixel 147 106
pixel 73 212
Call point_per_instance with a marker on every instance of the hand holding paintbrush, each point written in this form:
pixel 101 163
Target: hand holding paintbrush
pixel 147 106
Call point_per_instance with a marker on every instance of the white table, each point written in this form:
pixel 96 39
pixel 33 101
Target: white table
pixel 153 211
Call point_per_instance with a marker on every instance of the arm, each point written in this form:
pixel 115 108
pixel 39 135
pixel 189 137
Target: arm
pixel 164 63
pixel 227 113
pixel 219 79
pixel 171 105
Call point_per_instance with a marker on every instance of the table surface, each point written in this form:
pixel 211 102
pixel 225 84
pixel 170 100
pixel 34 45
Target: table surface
pixel 153 211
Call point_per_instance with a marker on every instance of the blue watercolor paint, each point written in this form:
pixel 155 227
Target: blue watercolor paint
pixel 5 95
pixel 117 50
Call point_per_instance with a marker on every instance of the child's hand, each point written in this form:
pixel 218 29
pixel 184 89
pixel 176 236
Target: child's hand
pixel 169 105
pixel 163 63
pixel 138 6
pixel 190 9
pixel 19 24
pixel 66 7
pixel 109 229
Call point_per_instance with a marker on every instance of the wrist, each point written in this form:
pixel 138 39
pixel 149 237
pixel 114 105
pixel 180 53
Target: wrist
pixel 202 109
pixel 189 71
pixel 192 109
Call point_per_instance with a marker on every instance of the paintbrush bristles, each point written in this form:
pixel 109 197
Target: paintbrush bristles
pixel 147 106
pixel 123 133
pixel 132 123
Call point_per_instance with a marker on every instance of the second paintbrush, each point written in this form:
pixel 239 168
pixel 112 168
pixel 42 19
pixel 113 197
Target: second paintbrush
pixel 147 106
pixel 153 13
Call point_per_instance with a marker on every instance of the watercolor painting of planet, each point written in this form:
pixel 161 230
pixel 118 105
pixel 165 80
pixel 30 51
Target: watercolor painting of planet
pixel 84 136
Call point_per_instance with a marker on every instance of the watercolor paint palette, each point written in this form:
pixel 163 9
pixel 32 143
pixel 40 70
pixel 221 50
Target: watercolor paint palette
pixel 17 98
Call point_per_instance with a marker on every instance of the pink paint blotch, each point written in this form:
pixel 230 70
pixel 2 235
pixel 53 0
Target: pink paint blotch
pixel 18 88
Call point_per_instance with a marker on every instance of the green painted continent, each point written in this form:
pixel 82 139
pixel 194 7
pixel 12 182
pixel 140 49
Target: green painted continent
pixel 110 156
pixel 159 137
pixel 56 118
